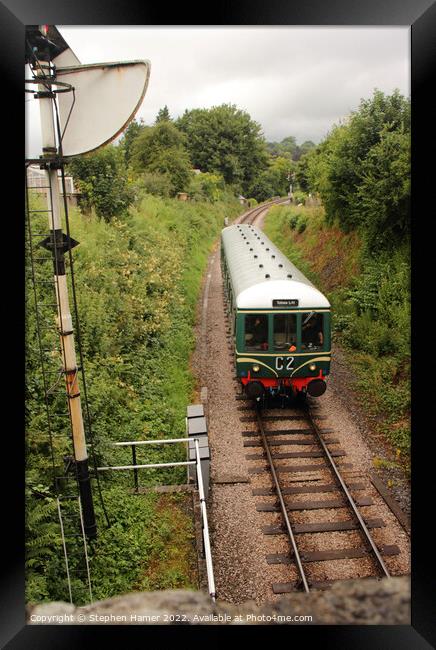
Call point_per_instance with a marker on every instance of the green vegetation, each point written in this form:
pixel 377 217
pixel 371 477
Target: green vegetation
pixel 288 148
pixel 211 154
pixel 102 182
pixel 355 248
pixel 274 180
pixel 138 280
pixel 362 172
pixel 226 140
pixel 371 311
pixel 162 149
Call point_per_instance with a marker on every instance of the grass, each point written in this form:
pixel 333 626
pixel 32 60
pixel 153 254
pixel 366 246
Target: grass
pixel 138 281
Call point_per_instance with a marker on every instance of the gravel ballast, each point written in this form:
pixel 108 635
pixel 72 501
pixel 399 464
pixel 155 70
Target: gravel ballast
pixel 239 547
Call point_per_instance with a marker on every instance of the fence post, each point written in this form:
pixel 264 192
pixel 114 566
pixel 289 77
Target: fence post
pixel 197 427
pixel 135 471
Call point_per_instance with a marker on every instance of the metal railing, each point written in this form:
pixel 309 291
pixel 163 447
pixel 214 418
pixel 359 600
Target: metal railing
pixel 135 467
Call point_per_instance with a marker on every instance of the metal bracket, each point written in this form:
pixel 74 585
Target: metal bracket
pixel 58 240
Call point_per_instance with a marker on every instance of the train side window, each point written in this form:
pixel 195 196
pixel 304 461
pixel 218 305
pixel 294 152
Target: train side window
pixel 312 331
pixel 285 332
pixel 256 332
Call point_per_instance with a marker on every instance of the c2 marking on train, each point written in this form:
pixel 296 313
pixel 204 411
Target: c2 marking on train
pixel 280 363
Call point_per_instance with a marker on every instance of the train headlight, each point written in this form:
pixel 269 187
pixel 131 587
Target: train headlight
pixel 312 366
pixel 256 368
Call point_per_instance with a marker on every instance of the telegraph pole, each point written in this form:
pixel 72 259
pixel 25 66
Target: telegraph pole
pixel 59 243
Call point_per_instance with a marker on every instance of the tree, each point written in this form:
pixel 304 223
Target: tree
pixel 162 149
pixel 384 192
pixel 226 140
pixel 274 181
pixel 284 149
pixel 130 135
pixel 337 167
pixel 102 181
pixel 163 115
pixel 302 149
pixel 352 144
pixel 302 171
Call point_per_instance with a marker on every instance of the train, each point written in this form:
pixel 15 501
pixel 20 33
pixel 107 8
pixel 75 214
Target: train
pixel 280 323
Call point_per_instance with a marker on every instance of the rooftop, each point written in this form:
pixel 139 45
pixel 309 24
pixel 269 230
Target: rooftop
pixel 261 273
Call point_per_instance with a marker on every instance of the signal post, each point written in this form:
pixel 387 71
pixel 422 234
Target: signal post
pixel 121 85
pixel 59 244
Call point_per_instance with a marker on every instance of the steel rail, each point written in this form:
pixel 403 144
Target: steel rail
pixel 348 495
pixel 282 504
pixel 254 212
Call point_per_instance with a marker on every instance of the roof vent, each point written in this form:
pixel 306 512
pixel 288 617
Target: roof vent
pixel 251 249
pixel 289 275
pixel 255 257
pixel 267 249
pixel 262 242
pixel 261 266
pixel 280 266
pixel 267 275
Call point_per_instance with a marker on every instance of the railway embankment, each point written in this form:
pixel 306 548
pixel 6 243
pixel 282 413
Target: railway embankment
pixel 371 349
pixel 138 280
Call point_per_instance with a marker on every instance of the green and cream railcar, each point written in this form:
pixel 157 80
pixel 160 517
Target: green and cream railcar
pixel 280 322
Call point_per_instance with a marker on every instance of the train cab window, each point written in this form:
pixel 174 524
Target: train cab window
pixel 285 332
pixel 312 331
pixel 256 332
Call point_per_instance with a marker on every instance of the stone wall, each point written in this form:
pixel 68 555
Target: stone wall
pixel 358 602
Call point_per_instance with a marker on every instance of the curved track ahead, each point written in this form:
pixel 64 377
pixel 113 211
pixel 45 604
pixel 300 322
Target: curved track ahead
pixel 252 215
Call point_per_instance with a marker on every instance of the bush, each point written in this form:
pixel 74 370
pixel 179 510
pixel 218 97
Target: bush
pixel 297 221
pixel 207 187
pixel 153 183
pixel 102 181
pixel 293 221
pixel 299 197
pixel 302 226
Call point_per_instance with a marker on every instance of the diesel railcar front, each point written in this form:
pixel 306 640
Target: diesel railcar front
pixel 280 322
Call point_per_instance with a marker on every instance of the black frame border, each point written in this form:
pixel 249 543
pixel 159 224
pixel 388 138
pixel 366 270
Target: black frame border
pixel 420 15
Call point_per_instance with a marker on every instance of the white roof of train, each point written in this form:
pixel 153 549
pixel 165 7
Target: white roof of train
pixel 252 289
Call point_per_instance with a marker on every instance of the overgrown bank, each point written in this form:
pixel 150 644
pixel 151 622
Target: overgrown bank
pixel 138 279
pixel 370 300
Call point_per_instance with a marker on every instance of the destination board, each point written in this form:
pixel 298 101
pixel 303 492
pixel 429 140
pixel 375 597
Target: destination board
pixel 289 302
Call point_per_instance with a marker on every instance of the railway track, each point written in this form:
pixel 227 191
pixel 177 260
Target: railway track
pixel 255 213
pixel 315 503
pixel 295 486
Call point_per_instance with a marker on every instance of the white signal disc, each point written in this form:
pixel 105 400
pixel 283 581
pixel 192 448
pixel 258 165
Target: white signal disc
pixel 107 96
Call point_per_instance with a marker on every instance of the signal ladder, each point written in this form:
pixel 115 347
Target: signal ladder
pixel 39 267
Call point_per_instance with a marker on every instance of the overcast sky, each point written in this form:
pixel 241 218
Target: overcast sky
pixel 292 80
